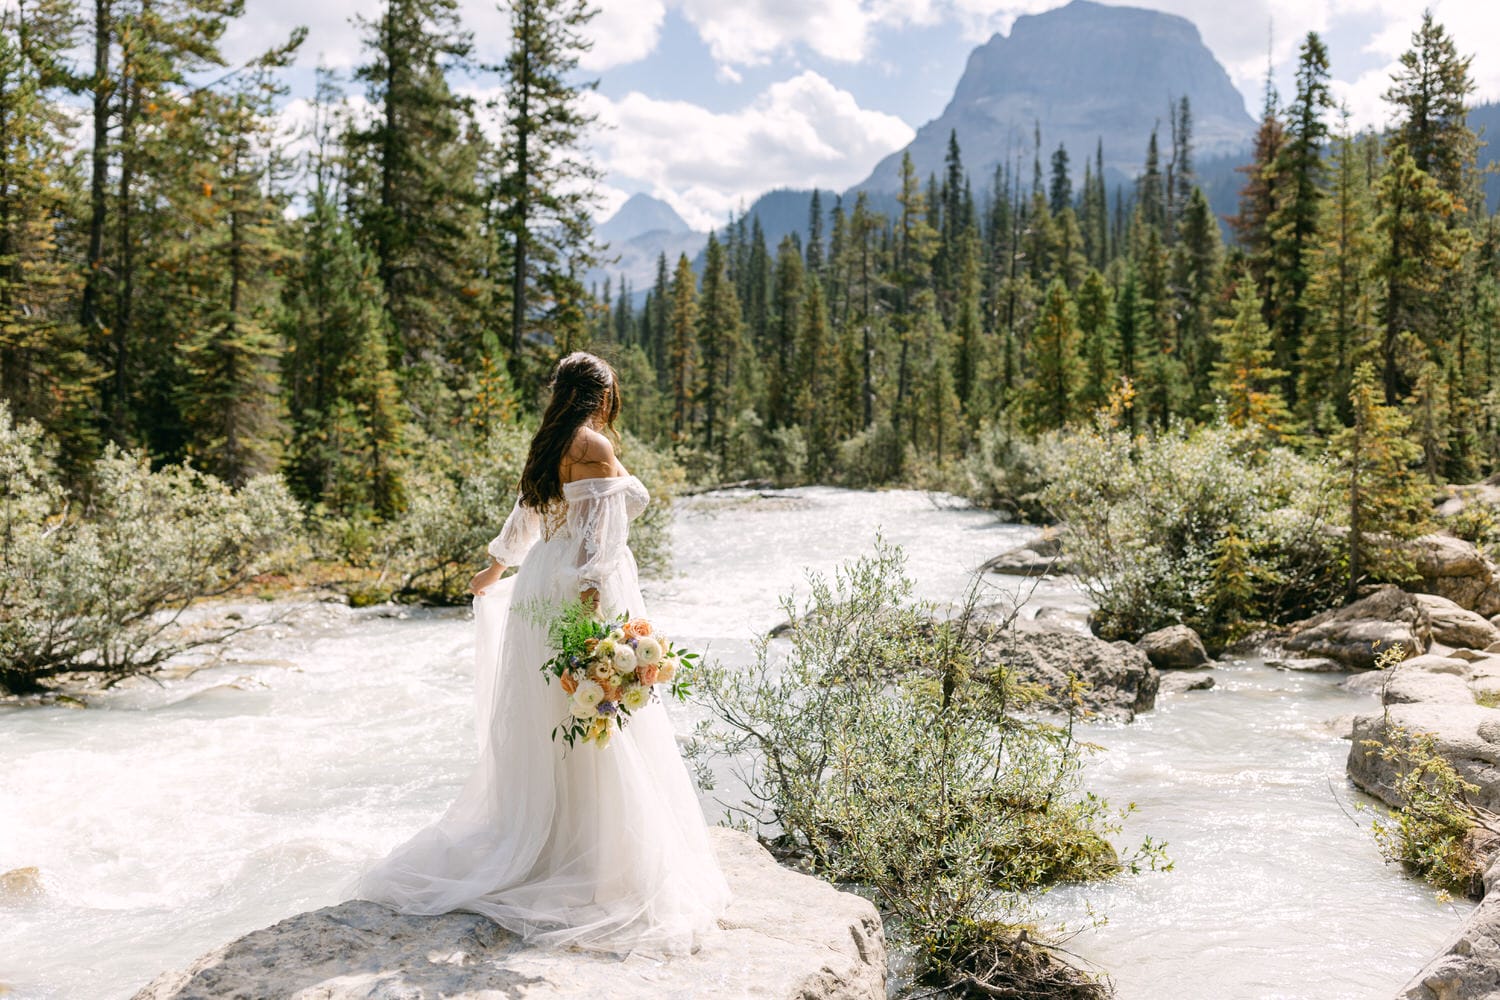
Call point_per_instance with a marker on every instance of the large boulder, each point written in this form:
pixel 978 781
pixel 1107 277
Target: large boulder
pixel 1120 681
pixel 1042 555
pixel 1355 635
pixel 1456 626
pixel 786 936
pixel 1453 568
pixel 1175 647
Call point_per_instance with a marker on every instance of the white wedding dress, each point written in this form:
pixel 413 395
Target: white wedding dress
pixel 597 848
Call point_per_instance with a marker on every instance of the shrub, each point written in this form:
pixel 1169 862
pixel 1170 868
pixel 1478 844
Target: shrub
pixel 458 503
pixel 1006 472
pixel 1204 527
pixel 866 750
pixel 101 586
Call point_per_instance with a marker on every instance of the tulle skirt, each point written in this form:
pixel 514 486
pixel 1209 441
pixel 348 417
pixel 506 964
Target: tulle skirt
pixel 596 848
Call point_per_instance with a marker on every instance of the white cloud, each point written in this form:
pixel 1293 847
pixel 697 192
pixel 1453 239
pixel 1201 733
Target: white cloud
pixel 624 31
pixel 800 133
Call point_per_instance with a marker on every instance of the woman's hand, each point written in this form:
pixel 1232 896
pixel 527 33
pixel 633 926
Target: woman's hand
pixel 486 578
pixel 590 599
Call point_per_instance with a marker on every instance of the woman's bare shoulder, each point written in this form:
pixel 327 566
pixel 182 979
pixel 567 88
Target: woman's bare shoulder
pixel 590 455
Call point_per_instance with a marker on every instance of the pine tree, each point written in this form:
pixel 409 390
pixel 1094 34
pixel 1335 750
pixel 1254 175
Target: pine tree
pixel 412 187
pixel 1056 370
pixel 815 376
pixel 1431 92
pixel 1294 218
pixel 786 325
pixel 682 348
pixel 1060 190
pixel 548 229
pixel 1259 198
pixel 231 401
pixel 46 374
pixel 1096 323
pixel 718 344
pixel 1341 291
pixel 1386 501
pixel 1246 381
pixel 814 251
pixel 1418 250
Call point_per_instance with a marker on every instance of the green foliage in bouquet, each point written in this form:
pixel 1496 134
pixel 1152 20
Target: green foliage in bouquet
pixel 609 668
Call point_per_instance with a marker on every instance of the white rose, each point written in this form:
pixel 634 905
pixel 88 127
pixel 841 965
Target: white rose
pixel 636 696
pixel 647 650
pixel 617 635
pixel 624 658
pixel 667 670
pixel 586 700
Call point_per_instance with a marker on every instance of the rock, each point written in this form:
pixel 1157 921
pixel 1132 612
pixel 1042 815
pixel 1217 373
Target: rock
pixel 1355 635
pixel 1121 680
pixel 1367 681
pixel 1308 664
pixel 1467 735
pixel 1456 626
pixel 20 885
pixel 786 936
pixel 1175 647
pixel 1453 568
pixel 1469 967
pixel 1044 555
pixel 1176 683
pixel 1407 686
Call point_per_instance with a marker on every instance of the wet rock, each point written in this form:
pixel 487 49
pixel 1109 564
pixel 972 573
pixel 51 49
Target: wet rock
pixel 1355 635
pixel 1177 683
pixel 1175 647
pixel 1308 664
pixel 1044 555
pixel 20 885
pixel 786 936
pixel 1455 626
pixel 1120 679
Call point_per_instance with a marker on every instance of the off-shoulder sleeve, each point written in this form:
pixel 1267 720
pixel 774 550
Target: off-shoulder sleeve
pixel 517 537
pixel 599 518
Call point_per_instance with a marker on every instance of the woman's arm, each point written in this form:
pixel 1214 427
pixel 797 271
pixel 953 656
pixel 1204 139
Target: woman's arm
pixel 486 577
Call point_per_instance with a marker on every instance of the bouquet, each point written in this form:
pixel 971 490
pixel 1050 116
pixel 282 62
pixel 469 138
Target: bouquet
pixel 609 669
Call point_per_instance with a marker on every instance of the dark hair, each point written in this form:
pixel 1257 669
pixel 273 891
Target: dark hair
pixel 582 385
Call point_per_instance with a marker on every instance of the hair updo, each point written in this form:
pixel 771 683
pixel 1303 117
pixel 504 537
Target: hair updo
pixel 582 385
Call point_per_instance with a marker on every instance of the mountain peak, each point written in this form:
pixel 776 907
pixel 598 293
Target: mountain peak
pixel 640 214
pixel 1083 73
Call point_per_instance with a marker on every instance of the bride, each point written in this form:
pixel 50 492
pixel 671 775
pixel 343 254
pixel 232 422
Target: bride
pixel 596 847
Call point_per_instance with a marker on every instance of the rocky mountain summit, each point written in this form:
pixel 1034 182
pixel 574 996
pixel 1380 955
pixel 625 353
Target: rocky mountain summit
pixel 1084 73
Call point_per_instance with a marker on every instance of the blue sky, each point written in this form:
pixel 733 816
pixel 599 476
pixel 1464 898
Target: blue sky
pixel 711 102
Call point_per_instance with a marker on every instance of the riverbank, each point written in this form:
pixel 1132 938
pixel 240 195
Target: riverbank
pixel 167 820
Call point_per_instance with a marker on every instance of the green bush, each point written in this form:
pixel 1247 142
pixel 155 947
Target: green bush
pixel 458 502
pixel 1203 527
pixel 867 750
pixel 100 585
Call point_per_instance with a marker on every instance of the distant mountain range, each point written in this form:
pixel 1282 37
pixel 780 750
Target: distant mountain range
pixel 1085 74
pixel 1082 75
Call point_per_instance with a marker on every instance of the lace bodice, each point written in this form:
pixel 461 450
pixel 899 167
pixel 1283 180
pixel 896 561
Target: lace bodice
pixel 594 515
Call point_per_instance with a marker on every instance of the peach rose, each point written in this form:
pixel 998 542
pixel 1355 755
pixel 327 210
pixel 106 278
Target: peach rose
pixel 637 627
pixel 647 673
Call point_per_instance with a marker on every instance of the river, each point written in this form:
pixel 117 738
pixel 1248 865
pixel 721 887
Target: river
pixel 167 818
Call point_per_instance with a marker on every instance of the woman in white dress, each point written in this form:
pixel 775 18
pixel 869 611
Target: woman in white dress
pixel 595 847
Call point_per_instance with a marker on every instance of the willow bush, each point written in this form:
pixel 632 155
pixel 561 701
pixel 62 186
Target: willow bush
pixel 457 500
pixel 1206 527
pixel 867 748
pixel 98 583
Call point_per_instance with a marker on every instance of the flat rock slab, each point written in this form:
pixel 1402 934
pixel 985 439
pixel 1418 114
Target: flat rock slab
pixel 1177 683
pixel 786 936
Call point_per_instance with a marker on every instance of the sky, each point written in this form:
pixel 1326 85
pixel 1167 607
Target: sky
pixel 709 103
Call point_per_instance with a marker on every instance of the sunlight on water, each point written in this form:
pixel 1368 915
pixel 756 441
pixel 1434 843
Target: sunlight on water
pixel 168 819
